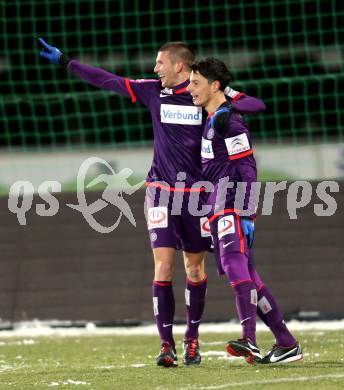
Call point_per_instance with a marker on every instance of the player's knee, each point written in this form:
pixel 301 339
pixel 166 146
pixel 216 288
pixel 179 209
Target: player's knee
pixel 194 268
pixel 195 274
pixel 163 270
pixel 235 267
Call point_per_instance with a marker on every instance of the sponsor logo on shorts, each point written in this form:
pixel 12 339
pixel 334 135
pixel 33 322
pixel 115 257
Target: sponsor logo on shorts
pixel 205 227
pixel 157 217
pixel 153 236
pixel 224 245
pixel 183 115
pixel 225 225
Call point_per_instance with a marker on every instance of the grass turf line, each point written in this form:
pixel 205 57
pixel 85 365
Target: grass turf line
pixel 128 362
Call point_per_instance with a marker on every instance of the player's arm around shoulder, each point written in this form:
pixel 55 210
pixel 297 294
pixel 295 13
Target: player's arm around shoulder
pixel 243 103
pixel 228 121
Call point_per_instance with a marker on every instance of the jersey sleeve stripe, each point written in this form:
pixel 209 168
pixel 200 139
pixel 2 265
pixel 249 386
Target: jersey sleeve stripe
pixel 240 155
pixel 130 90
pixel 238 96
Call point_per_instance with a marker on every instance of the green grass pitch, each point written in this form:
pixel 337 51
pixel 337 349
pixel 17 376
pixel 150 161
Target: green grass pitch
pixel 128 362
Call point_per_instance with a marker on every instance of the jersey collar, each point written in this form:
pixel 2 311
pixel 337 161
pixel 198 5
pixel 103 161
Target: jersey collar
pixel 224 104
pixel 181 88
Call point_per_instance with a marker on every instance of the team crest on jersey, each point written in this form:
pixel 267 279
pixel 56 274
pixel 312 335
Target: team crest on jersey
pixel 225 225
pixel 157 217
pixel 210 133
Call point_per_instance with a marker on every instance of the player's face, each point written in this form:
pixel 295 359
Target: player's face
pixel 166 69
pixel 200 89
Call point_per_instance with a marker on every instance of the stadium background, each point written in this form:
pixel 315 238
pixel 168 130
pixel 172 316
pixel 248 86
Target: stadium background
pixel 289 53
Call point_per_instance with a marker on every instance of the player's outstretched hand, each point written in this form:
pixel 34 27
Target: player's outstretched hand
pixel 247 225
pixel 51 53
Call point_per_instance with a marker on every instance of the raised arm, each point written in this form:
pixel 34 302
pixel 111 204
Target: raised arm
pixel 98 77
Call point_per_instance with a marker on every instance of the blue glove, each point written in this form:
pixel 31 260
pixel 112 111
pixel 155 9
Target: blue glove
pixel 51 53
pixel 247 225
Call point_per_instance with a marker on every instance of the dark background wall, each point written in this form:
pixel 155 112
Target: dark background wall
pixel 59 268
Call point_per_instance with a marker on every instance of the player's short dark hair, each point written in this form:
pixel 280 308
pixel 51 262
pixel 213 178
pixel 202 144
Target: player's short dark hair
pixel 213 69
pixel 180 51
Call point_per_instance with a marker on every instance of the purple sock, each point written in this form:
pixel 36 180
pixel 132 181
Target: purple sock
pixel 271 315
pixel 246 304
pixel 164 306
pixel 195 302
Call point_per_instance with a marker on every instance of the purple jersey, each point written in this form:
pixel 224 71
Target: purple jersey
pixel 227 157
pixel 177 123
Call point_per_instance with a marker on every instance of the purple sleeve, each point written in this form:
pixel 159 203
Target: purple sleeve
pixel 137 90
pixel 248 104
pixel 244 163
pixel 98 77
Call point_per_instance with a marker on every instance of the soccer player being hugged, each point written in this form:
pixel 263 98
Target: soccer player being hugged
pixel 178 127
pixel 229 165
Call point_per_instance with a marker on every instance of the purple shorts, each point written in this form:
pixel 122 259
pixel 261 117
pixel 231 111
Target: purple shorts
pixel 173 226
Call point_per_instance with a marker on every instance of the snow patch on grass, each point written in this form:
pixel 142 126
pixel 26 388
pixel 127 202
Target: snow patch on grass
pixel 68 382
pixel 38 328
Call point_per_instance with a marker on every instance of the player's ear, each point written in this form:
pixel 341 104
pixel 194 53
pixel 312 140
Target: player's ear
pixel 215 85
pixel 179 67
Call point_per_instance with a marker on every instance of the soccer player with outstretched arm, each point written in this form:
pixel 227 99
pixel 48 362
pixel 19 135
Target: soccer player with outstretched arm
pixel 177 126
pixel 227 158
